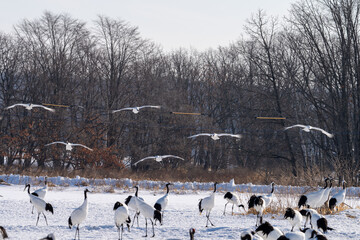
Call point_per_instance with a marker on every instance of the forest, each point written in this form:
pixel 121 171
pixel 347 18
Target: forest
pixel 304 69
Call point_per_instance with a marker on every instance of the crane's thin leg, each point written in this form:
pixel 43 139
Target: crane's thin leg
pixel 145 227
pixel 153 227
pixel 133 220
pixel 45 220
pixel 208 217
pixel 37 219
pixel 122 230
pixel 225 207
pixel 75 233
pixel 137 218
pixel 232 211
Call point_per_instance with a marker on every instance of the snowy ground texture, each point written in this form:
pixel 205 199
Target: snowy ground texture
pixel 181 214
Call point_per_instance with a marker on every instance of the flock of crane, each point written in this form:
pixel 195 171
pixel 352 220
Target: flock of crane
pixel 155 213
pixel 158 158
pixel 307 205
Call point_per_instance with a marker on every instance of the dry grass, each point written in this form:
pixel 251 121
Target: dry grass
pixel 187 173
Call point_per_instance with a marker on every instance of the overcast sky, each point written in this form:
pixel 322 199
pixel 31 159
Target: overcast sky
pixel 200 24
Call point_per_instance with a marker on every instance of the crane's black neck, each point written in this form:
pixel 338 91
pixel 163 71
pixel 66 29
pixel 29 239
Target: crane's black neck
pixel 136 192
pixel 272 187
pixel 85 194
pixel 28 187
pixel 167 188
pixel 344 185
pixel 326 183
pixel 215 187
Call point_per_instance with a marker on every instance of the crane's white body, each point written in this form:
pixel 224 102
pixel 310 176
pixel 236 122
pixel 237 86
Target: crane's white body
pixel 135 109
pixel 162 202
pixel 145 209
pixel 317 221
pixel 41 192
pixel 208 204
pixel 131 203
pixel 216 136
pixel 268 198
pixel 313 198
pixel 314 218
pixel 339 197
pixel 39 204
pixel 149 212
pixel 311 233
pixel 30 106
pixel 233 198
pixel 296 220
pixel 307 128
pixel 158 158
pixel 325 196
pixel 295 235
pixel 121 216
pixel 69 146
pixel 79 214
pixel 273 235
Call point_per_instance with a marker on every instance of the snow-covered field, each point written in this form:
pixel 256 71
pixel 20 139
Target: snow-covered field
pixel 181 214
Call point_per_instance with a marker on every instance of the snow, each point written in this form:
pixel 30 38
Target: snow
pixel 181 214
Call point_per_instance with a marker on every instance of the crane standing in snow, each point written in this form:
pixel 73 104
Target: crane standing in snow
pixel 41 192
pixel 162 202
pixel 233 198
pixel 338 198
pixel 40 205
pixel 121 217
pixel 259 203
pixel 79 214
pixel 149 212
pixel 130 202
pixel 207 204
pixel 294 216
pixel 311 199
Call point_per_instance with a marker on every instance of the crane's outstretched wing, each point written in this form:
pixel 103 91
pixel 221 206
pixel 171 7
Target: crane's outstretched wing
pixel 151 157
pixel 323 131
pixel 18 104
pixel 297 125
pixel 230 135
pixel 172 156
pixel 122 109
pixel 55 143
pixel 42 106
pixel 200 134
pixel 149 106
pixel 81 145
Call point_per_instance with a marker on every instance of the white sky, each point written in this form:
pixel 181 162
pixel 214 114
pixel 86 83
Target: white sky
pixel 199 24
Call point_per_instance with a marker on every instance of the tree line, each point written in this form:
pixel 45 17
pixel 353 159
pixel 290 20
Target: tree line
pixel 305 69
